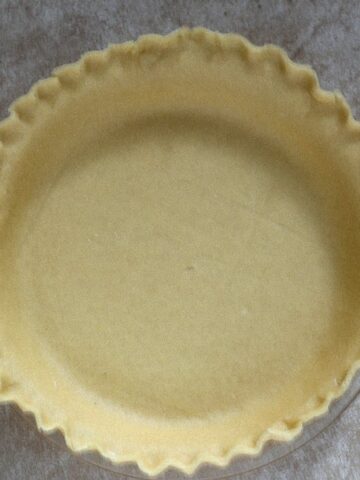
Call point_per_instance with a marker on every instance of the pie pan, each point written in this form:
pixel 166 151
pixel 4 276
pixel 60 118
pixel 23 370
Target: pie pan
pixel 180 250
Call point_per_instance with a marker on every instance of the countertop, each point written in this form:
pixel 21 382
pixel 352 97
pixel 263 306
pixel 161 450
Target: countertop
pixel 38 35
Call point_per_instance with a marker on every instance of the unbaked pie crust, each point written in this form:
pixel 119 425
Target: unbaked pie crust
pixel 180 250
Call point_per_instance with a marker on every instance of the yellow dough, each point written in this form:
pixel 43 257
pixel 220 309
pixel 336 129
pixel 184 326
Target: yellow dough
pixel 180 250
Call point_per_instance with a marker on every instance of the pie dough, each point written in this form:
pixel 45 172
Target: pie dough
pixel 180 250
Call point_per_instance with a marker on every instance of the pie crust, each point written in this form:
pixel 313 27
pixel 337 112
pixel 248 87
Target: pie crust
pixel 180 250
